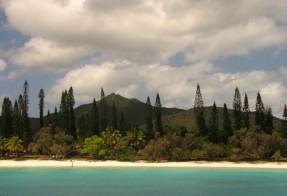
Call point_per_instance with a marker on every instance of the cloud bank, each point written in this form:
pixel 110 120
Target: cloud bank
pixel 126 47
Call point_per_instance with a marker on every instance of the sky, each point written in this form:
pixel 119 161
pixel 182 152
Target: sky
pixel 137 48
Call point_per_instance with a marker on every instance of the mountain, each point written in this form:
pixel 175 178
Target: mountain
pixel 133 109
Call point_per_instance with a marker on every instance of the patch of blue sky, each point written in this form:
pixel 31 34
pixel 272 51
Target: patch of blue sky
pixel 269 59
pixel 178 59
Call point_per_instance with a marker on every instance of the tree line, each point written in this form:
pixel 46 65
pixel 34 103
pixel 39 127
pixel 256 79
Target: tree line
pixel 104 136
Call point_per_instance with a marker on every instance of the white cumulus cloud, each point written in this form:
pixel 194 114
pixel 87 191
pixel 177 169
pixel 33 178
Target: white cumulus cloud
pixel 3 65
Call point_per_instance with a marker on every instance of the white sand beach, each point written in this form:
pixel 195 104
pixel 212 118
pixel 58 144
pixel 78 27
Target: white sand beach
pixel 140 164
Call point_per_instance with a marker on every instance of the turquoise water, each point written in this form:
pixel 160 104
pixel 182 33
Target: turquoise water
pixel 132 181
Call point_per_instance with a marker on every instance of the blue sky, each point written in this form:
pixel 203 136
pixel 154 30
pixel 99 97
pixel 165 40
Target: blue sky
pixel 138 48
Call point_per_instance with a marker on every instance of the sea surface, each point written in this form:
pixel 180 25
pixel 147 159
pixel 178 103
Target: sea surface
pixel 142 181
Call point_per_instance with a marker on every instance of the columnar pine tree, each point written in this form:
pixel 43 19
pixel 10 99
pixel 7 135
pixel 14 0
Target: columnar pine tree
pixel 27 128
pixel 17 122
pixel 148 119
pixel 41 96
pixel 199 112
pixel 72 123
pixel 48 118
pixel 95 119
pixel 157 114
pixel 103 112
pixel 227 128
pixel 237 105
pixel 6 118
pixel 56 118
pixel 114 117
pixel 246 111
pixel 259 112
pixel 213 125
pixel 268 120
pixel 64 111
pixel 284 122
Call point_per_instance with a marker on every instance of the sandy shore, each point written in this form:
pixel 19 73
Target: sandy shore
pixel 117 164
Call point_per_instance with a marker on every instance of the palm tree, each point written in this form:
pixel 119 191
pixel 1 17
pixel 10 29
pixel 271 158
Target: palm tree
pixel 111 136
pixel 136 138
pixel 14 144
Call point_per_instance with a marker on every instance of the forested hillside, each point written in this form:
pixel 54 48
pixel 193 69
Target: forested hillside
pixel 115 127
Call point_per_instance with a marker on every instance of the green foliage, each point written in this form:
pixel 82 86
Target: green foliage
pixel 95 146
pixel 111 136
pixel 253 145
pixel 3 145
pixel 14 144
pixel 156 150
pixel 124 152
pixel 209 151
pixel 51 142
pixel 135 139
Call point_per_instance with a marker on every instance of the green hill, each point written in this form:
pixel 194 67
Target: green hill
pixel 133 109
pixel 187 118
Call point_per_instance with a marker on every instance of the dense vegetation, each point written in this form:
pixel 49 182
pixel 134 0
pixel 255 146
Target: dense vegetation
pixel 104 131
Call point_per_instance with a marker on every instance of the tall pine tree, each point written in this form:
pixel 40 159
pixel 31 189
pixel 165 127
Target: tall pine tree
pixel 64 112
pixel 157 113
pixel 27 128
pixel 55 119
pixel 227 127
pixel 95 119
pixel 41 96
pixel 268 120
pixel 237 105
pixel 103 112
pixel 148 119
pixel 6 118
pixel 246 111
pixel 48 119
pixel 17 122
pixel 284 122
pixel 72 123
pixel 213 125
pixel 259 112
pixel 199 112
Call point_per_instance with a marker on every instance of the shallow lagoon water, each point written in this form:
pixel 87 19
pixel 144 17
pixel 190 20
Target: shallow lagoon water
pixel 142 181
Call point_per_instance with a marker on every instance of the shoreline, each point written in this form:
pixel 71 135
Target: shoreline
pixel 139 164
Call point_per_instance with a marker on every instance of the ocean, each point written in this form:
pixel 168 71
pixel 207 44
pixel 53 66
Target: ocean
pixel 142 181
